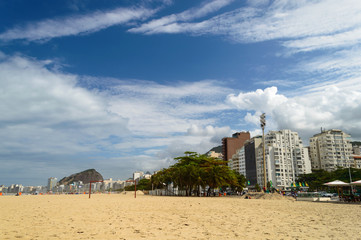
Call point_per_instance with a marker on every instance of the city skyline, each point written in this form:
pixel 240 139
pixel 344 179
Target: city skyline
pixel 127 86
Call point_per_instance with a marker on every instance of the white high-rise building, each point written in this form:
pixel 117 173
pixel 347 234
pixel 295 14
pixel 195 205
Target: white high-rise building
pixel 286 159
pixel 238 162
pixel 137 176
pixel 331 149
pixel 52 183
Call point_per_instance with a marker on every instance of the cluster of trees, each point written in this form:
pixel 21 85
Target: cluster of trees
pixel 317 178
pixel 194 171
pixel 143 184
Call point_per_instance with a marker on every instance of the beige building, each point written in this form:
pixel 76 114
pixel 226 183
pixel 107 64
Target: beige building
pixel 331 149
pixel 214 154
pixel 356 161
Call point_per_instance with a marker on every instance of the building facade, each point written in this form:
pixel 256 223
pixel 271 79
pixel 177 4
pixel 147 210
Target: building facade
pixel 230 145
pixel 251 153
pixel 137 176
pixel 286 159
pixel 52 183
pixel 238 162
pixel 331 149
pixel 214 154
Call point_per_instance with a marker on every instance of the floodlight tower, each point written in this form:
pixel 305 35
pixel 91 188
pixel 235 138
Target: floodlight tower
pixel 263 125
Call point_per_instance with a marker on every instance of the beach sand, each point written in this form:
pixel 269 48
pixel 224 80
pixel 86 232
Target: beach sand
pixel 119 216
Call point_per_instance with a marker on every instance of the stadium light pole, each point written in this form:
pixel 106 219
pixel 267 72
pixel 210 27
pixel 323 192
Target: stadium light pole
pixel 349 173
pixel 263 124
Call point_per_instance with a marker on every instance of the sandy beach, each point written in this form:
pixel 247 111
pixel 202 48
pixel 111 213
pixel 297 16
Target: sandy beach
pixel 119 216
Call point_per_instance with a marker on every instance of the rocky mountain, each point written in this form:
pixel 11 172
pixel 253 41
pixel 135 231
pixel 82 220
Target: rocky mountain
pixel 85 176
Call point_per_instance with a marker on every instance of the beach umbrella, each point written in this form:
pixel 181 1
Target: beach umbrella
pixel 337 183
pixel 356 183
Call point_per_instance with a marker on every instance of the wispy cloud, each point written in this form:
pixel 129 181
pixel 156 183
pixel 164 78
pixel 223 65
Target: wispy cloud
pixel 291 22
pixel 50 114
pixel 283 83
pixel 158 109
pixel 170 24
pixel 44 111
pixel 337 40
pixel 74 25
pixel 343 64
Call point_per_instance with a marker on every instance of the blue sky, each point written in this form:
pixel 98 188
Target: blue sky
pixel 122 86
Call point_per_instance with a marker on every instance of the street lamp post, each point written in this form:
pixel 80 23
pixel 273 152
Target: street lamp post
pixel 263 124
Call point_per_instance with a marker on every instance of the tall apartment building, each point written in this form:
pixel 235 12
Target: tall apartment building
pixel 331 149
pixel 238 161
pixel 137 176
pixel 52 183
pixel 231 144
pixel 286 159
pixel 250 149
pixel 356 155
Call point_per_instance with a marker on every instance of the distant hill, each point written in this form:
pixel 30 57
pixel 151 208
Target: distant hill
pixel 356 143
pixel 217 149
pixel 85 176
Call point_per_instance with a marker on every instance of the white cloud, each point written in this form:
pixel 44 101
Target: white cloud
pixel 49 114
pixel 253 118
pixel 159 109
pixel 169 23
pixel 195 130
pixel 338 66
pixel 336 40
pixel 262 100
pixel 40 103
pixel 74 25
pixel 258 3
pixel 333 106
pixel 291 22
pixel 44 111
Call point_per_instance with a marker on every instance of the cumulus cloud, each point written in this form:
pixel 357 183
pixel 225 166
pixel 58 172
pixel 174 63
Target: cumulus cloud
pixel 215 134
pixel 74 25
pixel 262 100
pixel 330 107
pixel 253 118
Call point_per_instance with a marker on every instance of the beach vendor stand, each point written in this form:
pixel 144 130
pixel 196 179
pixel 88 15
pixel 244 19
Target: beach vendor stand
pixel 357 183
pixel 339 184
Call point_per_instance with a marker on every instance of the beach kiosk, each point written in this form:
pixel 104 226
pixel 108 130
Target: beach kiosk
pixel 339 184
pixel 356 183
